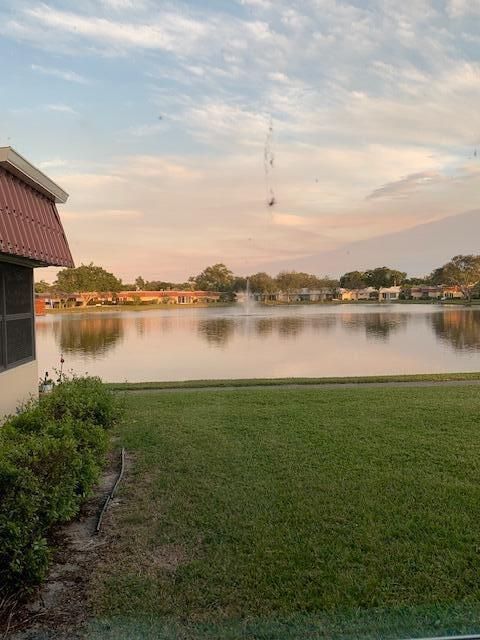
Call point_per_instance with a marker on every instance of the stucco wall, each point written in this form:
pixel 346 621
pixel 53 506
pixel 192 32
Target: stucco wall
pixel 17 386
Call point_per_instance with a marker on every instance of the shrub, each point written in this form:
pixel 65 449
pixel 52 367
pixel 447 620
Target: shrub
pixel 50 458
pixel 83 398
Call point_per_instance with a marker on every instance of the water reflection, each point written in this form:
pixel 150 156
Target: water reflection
pixel 88 335
pixel 175 345
pixel 376 326
pixel 219 331
pixel 216 331
pixel 458 327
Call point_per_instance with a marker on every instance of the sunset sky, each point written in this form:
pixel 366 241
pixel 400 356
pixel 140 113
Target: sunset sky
pixel 154 116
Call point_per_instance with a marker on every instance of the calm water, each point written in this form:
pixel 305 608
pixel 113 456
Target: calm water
pixel 183 344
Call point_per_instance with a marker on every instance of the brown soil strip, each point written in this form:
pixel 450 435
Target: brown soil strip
pixel 60 606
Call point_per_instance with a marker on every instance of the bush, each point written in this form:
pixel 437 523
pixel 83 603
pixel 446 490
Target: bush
pixel 83 398
pixel 51 455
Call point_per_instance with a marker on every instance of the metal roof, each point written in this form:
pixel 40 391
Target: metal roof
pixel 30 226
pixel 14 163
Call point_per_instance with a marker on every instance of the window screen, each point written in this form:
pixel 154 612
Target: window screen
pixel 18 290
pixel 17 343
pixel 19 340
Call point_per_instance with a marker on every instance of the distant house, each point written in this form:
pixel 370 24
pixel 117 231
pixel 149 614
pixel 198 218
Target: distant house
pixel 57 300
pixel 354 295
pixel 323 294
pixel 389 294
pixel 452 292
pixel 31 235
pixel 173 297
pixel 423 293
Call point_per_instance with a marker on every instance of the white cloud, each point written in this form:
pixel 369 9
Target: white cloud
pixel 60 108
pixel 122 5
pixel 405 186
pixel 459 8
pixel 54 163
pixel 69 76
pixel 173 32
pixel 258 4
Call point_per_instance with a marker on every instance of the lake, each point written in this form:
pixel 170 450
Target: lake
pixel 278 341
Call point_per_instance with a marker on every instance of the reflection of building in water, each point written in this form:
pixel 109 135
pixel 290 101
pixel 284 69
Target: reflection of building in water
pixel 375 325
pixel 324 323
pixel 90 335
pixel 290 327
pixel 217 331
pixel 459 328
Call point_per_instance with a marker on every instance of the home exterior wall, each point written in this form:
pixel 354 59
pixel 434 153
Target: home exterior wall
pixel 426 292
pixel 389 293
pixel 17 386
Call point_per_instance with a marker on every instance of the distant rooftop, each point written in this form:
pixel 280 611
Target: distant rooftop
pixel 23 169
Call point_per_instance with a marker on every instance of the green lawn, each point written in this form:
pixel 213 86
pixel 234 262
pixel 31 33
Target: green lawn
pixel 269 382
pixel 296 513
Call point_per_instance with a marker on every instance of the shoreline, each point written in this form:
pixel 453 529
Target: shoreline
pixel 169 307
pixel 239 383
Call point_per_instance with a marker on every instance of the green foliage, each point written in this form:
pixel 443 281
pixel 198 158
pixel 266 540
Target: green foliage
pixel 262 283
pixel 42 287
pixel 289 281
pixel 353 280
pixel 384 277
pixel 50 458
pixel 463 271
pixel 83 398
pixel 87 277
pixel 215 278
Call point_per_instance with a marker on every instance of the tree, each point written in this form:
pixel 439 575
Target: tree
pixel 353 280
pixel 415 282
pixel 86 277
pixel 139 283
pixel 384 277
pixel 462 271
pixel 215 278
pixel 42 287
pixel 262 283
pixel 290 281
pixel 239 284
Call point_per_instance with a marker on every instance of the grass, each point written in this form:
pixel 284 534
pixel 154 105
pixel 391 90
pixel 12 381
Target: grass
pixel 269 382
pixel 135 307
pixel 296 513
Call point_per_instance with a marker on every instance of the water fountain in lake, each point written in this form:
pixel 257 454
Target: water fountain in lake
pixel 248 298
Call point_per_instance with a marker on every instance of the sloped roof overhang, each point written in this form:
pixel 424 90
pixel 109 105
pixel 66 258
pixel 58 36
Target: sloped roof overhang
pixel 30 227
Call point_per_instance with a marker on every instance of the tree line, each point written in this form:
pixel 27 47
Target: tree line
pixel 462 271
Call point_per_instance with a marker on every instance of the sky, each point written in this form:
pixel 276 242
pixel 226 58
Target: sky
pixel 172 125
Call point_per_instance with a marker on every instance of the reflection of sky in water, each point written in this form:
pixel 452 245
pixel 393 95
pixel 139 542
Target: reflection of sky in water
pixel 272 342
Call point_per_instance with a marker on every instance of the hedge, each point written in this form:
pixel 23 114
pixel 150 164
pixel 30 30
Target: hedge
pixel 51 455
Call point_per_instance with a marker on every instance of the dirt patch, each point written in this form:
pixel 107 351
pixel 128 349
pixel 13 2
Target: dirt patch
pixel 60 606
pixel 168 557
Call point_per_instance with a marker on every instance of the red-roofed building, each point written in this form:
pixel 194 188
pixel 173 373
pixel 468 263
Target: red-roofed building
pixel 31 235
